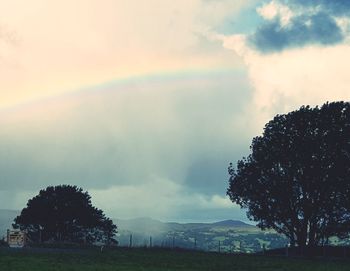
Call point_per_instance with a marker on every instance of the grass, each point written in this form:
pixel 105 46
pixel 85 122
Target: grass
pixel 156 260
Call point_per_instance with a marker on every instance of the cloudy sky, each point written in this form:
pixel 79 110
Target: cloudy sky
pixel 145 103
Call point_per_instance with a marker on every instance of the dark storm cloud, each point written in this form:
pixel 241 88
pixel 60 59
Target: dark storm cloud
pixel 333 7
pixel 208 173
pixel 302 30
pixel 314 22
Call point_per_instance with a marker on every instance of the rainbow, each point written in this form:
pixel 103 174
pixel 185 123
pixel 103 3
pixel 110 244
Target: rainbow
pixel 124 84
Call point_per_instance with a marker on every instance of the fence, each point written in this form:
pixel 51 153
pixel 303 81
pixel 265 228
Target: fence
pixel 193 243
pixel 239 247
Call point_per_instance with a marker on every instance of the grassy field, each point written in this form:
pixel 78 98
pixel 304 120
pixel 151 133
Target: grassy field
pixel 154 260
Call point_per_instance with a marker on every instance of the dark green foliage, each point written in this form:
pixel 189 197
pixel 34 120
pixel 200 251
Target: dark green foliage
pixel 297 178
pixel 64 213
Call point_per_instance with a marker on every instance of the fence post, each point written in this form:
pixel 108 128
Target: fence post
pixel 324 251
pixel 219 246
pixel 173 241
pixel 287 252
pixel 130 241
pixel 150 241
pixel 195 242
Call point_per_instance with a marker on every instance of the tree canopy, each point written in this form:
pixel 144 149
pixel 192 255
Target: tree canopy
pixel 297 178
pixel 64 213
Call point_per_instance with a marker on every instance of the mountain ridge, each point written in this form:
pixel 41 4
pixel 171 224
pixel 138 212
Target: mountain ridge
pixel 227 222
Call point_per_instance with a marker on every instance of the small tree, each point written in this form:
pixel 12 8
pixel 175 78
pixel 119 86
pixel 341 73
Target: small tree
pixel 297 178
pixel 65 213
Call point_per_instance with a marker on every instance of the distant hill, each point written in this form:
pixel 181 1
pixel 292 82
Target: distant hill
pixel 149 225
pixel 6 220
pixel 231 235
pixel 232 223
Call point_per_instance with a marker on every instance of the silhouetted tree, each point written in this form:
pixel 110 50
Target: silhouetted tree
pixel 297 178
pixel 65 213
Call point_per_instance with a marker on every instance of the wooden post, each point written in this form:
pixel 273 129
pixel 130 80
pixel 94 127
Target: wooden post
pixel 173 241
pixel 25 238
pixel 287 252
pixel 195 242
pixel 219 246
pixel 150 241
pixel 130 241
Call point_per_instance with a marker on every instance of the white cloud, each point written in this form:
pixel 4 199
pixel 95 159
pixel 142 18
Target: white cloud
pixel 344 24
pixel 275 9
pixel 284 81
pixel 268 11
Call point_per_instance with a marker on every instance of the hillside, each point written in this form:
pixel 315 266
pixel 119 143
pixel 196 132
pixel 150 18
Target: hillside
pixel 230 235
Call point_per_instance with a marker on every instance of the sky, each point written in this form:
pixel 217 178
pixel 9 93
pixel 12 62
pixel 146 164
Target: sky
pixel 145 103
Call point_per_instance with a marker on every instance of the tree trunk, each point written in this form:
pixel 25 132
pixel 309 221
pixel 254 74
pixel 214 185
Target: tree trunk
pixel 312 235
pixel 292 241
pixel 302 236
pixel 301 240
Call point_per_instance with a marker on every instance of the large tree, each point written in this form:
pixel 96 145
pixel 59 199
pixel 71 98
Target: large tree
pixel 297 178
pixel 64 213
